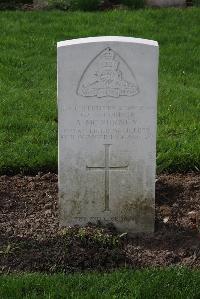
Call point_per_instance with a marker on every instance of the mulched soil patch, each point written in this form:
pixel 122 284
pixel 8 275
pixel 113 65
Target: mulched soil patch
pixel 31 240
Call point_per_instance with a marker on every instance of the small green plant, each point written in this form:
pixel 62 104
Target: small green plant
pixel 98 236
pixel 133 3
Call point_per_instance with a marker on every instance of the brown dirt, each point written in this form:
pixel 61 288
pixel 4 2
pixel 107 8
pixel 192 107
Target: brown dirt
pixel 31 240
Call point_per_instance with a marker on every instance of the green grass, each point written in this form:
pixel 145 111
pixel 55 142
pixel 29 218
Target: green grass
pixel 28 130
pixel 156 284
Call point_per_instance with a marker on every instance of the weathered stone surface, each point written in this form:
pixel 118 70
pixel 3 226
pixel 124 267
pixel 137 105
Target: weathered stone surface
pixel 107 90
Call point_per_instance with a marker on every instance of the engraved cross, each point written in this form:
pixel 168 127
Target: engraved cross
pixel 107 168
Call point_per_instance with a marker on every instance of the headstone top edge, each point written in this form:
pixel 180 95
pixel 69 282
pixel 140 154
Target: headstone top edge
pixel 97 39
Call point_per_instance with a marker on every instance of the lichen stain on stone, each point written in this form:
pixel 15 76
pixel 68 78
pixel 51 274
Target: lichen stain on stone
pixel 61 195
pixel 140 211
pixel 76 206
pixel 71 208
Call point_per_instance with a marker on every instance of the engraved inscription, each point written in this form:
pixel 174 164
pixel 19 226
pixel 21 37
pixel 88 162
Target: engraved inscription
pixel 107 168
pixel 107 123
pixel 108 75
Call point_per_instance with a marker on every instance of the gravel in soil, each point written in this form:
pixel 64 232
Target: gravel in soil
pixel 31 239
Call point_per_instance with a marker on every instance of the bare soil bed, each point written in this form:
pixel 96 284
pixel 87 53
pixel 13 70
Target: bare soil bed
pixel 31 239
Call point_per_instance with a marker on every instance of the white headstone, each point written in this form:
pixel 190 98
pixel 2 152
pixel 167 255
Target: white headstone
pixel 107 94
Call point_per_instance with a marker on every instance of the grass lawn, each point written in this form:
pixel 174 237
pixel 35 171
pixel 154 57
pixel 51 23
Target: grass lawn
pixel 156 284
pixel 28 127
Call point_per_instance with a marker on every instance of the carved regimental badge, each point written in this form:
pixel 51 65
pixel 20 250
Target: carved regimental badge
pixel 107 75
